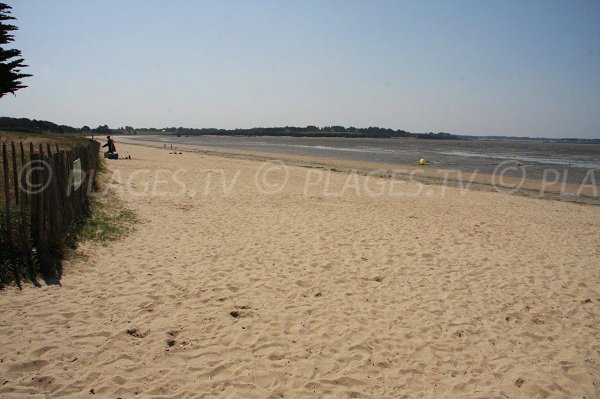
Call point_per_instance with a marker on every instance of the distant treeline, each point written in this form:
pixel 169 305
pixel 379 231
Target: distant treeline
pixel 308 131
pixel 33 126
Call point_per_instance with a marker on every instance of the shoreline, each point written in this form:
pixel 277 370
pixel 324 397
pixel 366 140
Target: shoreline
pixel 559 191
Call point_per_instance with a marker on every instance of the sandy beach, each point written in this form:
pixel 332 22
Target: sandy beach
pixel 250 279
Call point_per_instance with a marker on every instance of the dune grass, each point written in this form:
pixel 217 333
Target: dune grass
pixel 109 218
pixel 108 222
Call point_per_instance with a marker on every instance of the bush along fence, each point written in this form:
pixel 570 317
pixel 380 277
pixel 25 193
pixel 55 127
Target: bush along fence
pixel 45 195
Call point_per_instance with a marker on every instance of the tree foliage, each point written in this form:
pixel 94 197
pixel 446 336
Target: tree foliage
pixel 33 126
pixel 10 58
pixel 102 129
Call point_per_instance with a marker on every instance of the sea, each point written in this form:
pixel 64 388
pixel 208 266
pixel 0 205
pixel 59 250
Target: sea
pixel 574 162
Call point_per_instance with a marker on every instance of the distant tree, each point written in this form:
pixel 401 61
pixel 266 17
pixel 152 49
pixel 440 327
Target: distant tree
pixel 10 59
pixel 103 129
pixel 85 129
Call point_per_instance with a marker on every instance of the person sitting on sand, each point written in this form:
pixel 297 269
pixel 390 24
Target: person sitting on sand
pixel 110 143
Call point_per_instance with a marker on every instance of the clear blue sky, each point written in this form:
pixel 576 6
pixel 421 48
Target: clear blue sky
pixel 474 67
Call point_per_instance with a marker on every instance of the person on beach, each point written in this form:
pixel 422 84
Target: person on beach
pixel 110 143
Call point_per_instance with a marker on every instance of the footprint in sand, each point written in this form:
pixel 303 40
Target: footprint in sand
pixel 137 333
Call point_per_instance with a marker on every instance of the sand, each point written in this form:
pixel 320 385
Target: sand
pixel 257 289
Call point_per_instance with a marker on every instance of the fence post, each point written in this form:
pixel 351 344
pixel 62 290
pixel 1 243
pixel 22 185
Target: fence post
pixel 14 166
pixel 23 170
pixel 8 240
pixel 6 190
pixel 36 203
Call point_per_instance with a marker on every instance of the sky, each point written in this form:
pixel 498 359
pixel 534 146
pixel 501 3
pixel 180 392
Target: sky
pixel 481 67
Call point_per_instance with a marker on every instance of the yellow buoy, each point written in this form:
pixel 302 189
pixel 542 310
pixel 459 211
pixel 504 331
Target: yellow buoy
pixel 422 161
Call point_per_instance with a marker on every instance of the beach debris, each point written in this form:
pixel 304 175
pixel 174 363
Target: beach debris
pixel 240 311
pixel 134 332
pixel 519 381
pixel 422 162
pixel 318 294
pixel 378 279
pixel 171 334
pixel 92 391
pixel 588 300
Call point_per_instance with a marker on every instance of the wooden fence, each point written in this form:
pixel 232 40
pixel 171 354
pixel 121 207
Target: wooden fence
pixel 44 194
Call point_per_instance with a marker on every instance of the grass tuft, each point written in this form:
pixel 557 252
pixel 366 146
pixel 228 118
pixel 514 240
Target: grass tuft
pixel 109 221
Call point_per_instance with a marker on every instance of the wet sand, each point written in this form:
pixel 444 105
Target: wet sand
pixel 236 292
